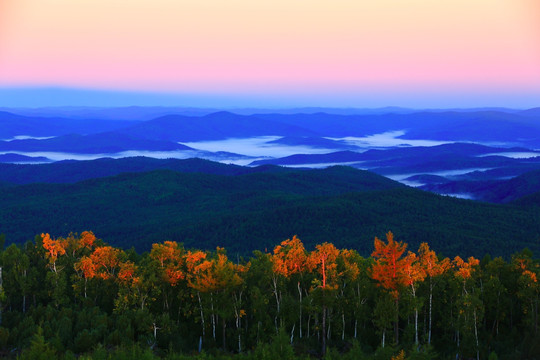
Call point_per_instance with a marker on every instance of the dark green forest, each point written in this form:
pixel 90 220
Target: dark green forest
pixel 77 297
pixel 192 263
pixel 249 211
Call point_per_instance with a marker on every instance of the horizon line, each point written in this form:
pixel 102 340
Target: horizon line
pixel 58 96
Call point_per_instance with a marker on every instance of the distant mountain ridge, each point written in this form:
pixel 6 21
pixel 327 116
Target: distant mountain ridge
pixel 101 143
pixel 152 112
pixel 17 158
pixel 417 154
pixel 481 187
pixel 437 125
pixel 503 191
pixel 12 125
pixel 391 136
pixel 215 126
pixel 74 171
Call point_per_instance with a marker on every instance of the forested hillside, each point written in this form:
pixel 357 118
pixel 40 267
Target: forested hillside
pixel 72 171
pixel 502 191
pixel 249 212
pixel 79 297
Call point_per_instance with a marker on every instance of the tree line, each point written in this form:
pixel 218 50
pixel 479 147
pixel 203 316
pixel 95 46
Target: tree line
pixel 77 296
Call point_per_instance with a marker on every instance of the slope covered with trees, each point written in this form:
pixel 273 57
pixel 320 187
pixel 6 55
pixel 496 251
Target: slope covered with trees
pixel 253 211
pixel 501 191
pixel 72 171
pixel 77 296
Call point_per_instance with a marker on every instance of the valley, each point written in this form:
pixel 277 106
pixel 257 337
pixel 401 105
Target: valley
pixel 220 178
pixel 444 151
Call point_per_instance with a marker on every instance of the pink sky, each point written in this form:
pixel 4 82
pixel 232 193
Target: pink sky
pixel 290 47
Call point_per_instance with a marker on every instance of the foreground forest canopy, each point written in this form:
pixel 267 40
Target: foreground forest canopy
pixel 77 296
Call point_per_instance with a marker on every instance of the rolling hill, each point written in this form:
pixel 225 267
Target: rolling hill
pixel 71 171
pixel 256 210
pixel 502 191
pixel 471 125
pixel 101 143
pixel 12 125
pixel 17 158
pixel 215 126
pixel 456 159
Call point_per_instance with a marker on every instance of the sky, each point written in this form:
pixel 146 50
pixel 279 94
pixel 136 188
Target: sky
pixel 336 53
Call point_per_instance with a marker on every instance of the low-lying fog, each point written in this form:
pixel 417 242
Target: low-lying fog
pixel 256 147
pixel 388 139
pixel 28 137
pixel 243 151
pixel 246 149
pixel 514 155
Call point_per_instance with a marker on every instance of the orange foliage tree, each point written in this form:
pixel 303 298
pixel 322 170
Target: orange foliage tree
pixel 76 245
pixel 55 248
pixel 229 285
pixel 289 258
pixel 86 269
pixel 170 260
pixel 107 261
pixel 465 269
pixel 413 274
pixel 216 277
pixel 70 250
pixel 389 270
pixel 324 261
pixel 134 289
pixel 197 265
pixel 433 268
pixel 111 264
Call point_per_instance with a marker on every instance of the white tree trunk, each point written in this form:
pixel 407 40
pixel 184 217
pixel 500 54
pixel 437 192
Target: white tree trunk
pixel 300 322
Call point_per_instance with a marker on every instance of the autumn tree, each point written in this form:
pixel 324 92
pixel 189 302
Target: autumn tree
pixel 413 273
pixel 223 281
pixel 230 279
pixel 92 299
pixel 433 268
pixel 324 262
pixel 104 264
pixel 85 269
pixel 169 258
pixel 199 279
pixel 388 270
pixel 134 287
pixel 289 259
pixel 55 248
pixel 77 247
pixel 107 261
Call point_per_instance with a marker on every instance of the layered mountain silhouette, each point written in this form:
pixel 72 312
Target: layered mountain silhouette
pixel 101 143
